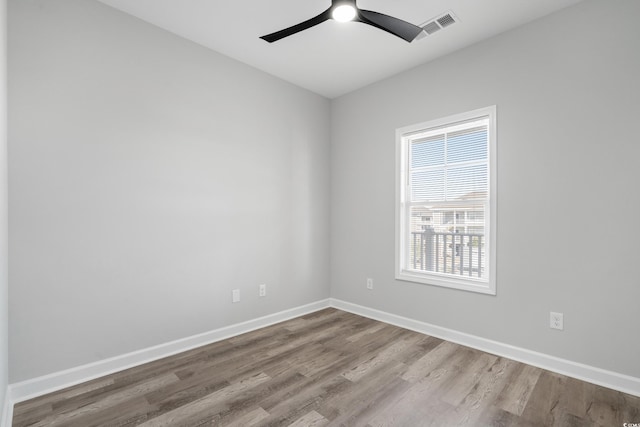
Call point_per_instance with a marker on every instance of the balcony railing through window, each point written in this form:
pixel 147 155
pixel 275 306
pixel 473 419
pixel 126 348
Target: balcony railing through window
pixel 445 252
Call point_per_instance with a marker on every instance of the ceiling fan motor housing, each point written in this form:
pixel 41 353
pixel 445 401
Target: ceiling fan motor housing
pixel 336 3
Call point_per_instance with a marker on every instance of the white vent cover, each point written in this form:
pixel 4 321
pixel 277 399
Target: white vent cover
pixel 436 24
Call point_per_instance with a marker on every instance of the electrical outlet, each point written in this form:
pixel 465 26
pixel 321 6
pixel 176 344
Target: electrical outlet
pixel 369 284
pixel 235 295
pixel 556 321
pixel 262 290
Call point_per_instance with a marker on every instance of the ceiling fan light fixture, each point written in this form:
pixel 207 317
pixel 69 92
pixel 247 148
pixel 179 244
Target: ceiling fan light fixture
pixel 344 13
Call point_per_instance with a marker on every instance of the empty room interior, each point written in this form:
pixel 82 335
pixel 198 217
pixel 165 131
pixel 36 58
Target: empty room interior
pixel 421 217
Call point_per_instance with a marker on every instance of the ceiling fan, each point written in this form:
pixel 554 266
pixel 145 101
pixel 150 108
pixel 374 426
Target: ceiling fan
pixel 345 11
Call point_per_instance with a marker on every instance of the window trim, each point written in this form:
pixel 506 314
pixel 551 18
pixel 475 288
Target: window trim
pixel 440 279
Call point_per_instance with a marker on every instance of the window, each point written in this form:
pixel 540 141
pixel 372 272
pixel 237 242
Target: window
pixel 446 172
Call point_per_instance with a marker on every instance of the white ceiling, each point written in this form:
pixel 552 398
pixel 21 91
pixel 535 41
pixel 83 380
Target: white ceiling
pixel 332 59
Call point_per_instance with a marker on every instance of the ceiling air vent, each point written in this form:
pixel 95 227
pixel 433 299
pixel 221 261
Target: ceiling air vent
pixel 431 27
pixel 446 20
pixel 436 24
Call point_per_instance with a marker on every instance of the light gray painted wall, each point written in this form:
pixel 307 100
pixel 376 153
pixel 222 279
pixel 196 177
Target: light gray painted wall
pixel 4 284
pixel 148 178
pixel 568 102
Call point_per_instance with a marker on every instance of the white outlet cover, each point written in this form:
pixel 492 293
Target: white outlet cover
pixel 235 295
pixel 369 283
pixel 556 320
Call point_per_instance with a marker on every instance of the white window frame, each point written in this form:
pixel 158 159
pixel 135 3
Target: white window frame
pixel 486 285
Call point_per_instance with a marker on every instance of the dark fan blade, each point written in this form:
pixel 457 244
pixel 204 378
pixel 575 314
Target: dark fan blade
pixel 298 27
pixel 395 26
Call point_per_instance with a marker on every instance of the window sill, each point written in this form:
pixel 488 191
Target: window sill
pixel 447 281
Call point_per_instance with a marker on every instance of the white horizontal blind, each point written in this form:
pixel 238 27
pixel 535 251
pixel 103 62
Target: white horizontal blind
pixel 447 200
pixel 450 166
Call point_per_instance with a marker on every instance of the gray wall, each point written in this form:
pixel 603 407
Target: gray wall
pixel 148 178
pixel 568 199
pixel 4 284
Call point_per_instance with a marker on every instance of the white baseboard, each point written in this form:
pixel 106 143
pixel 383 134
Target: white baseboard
pixel 29 389
pixel 7 409
pixel 609 379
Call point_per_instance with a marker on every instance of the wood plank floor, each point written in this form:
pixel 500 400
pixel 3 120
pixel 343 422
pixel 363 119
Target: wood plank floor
pixel 332 368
